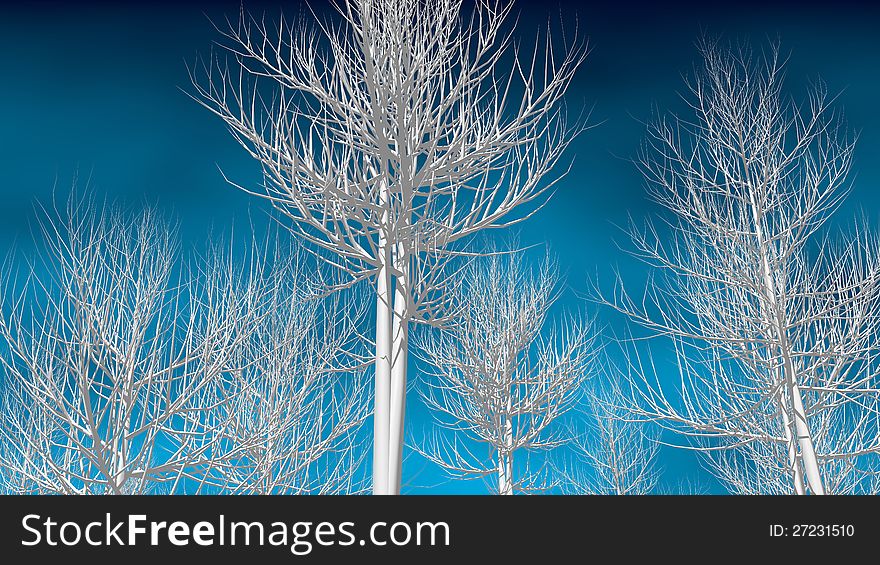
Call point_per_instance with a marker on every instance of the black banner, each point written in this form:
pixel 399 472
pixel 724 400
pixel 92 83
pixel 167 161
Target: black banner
pixel 432 529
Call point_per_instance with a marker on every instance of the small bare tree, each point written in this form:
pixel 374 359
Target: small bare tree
pixel 386 137
pixel 614 453
pixel 775 327
pixel 498 376
pixel 102 360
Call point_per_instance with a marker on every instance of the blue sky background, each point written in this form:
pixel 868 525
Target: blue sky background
pixel 95 88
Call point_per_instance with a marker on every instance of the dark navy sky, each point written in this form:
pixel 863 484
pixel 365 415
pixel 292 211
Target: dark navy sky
pixel 96 88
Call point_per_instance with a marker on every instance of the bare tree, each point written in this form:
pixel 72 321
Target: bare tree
pixel 103 361
pixel 386 137
pixel 614 453
pixel 124 374
pixel 759 468
pixel 775 326
pixel 289 419
pixel 498 376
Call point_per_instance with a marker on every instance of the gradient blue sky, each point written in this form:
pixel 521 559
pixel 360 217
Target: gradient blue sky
pixel 95 88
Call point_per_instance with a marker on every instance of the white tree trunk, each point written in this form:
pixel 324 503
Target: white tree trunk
pixel 805 440
pixel 505 459
pixel 508 441
pixel 803 436
pixel 503 482
pixel 120 450
pixel 794 463
pixel 400 359
pixel 382 398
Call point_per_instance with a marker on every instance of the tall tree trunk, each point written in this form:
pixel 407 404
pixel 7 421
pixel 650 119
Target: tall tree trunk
pixel 505 456
pixel 805 440
pixel 504 482
pixel 400 359
pixel 120 446
pixel 382 384
pixel 803 436
pixel 503 479
pixel 794 461
pixel 508 444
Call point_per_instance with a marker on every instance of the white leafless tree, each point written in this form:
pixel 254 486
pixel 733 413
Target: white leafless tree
pixel 124 374
pixel 499 376
pixel 102 360
pixel 774 322
pixel 386 136
pixel 614 452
